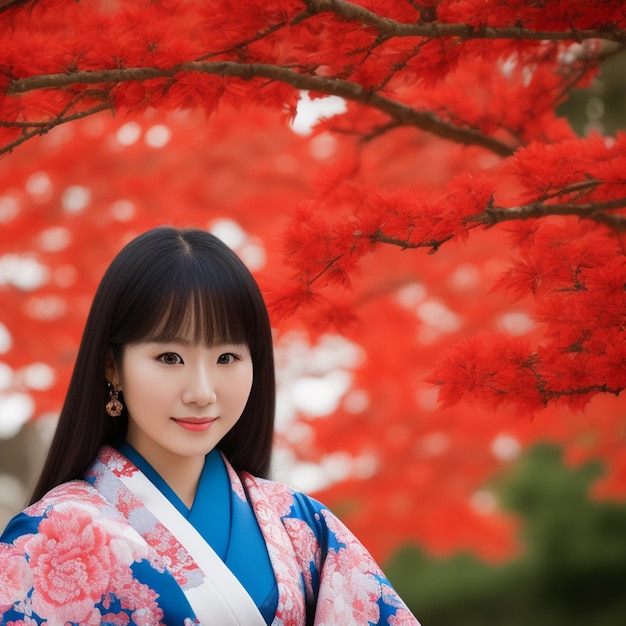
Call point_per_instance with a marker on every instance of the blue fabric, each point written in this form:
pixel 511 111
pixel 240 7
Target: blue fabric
pixel 227 524
pixel 83 535
pixel 172 600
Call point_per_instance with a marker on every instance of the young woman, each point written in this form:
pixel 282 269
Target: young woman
pixel 154 506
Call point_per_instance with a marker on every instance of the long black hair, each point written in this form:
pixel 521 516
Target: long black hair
pixel 159 284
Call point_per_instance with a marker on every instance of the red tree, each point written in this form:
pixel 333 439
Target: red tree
pixel 449 144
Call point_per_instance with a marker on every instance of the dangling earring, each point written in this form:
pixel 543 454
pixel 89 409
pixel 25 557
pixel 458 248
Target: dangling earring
pixel 114 407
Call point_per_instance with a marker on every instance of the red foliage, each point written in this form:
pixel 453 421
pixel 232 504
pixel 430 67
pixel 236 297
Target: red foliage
pixel 450 129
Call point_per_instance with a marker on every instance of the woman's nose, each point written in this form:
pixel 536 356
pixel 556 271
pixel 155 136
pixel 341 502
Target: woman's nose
pixel 199 388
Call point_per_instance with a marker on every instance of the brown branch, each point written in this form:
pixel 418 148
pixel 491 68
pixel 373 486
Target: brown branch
pixel 574 188
pixel 405 244
pixel 428 26
pixel 42 129
pixel 324 270
pixel 5 5
pixel 588 210
pixel 548 395
pixel 402 114
pixel 491 216
pixel 87 77
pixel 390 28
pixel 555 395
pixel 24 125
pixel 273 28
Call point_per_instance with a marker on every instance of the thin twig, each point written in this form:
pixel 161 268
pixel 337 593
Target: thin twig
pixel 42 130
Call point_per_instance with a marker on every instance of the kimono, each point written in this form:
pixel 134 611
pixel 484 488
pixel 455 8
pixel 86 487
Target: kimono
pixel 117 548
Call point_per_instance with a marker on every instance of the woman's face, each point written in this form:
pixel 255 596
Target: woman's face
pixel 182 397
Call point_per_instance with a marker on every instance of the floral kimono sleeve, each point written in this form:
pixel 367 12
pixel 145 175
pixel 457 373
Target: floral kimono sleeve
pixel 346 584
pixel 69 559
pixel 15 578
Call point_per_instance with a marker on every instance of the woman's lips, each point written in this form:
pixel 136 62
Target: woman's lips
pixel 195 424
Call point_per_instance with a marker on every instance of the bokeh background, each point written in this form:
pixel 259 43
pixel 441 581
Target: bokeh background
pixel 475 520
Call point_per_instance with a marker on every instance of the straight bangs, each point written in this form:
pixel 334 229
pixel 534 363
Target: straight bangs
pixel 186 299
pixel 199 317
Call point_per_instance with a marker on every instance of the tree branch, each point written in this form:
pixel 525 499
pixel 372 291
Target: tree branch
pixel 576 188
pixel 595 211
pixel 42 129
pixel 5 5
pixel 405 244
pixel 588 210
pixel 390 28
pixel 402 114
pixel 270 30
pixel 549 395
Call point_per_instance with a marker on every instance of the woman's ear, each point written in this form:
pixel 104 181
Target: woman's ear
pixel 110 368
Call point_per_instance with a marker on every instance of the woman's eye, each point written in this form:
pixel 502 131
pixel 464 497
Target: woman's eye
pixel 170 358
pixel 226 359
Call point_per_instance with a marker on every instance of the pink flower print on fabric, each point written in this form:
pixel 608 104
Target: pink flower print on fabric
pixel 147 613
pixel 278 497
pixel 267 500
pixel 126 502
pixel 134 597
pixel 403 616
pixel 306 547
pixel 15 578
pixel 115 619
pixel 353 545
pixel 71 562
pixel 118 464
pixel 348 593
pixel 172 555
pixel 74 490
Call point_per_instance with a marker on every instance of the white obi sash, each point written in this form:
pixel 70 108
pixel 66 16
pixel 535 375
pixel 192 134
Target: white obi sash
pixel 220 599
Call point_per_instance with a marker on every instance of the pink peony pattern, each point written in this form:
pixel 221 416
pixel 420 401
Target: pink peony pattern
pixel 349 592
pixel 71 561
pixel 306 547
pixel 15 576
pixel 96 555
pixel 75 490
pixel 116 619
pixel 137 598
pixel 278 498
